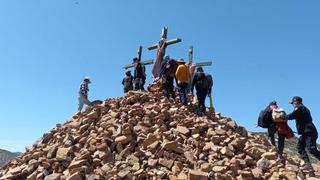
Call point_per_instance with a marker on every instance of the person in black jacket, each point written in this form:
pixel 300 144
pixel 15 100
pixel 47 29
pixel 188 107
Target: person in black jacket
pixel 272 125
pixel 139 77
pixel 203 86
pixel 167 78
pixel 306 129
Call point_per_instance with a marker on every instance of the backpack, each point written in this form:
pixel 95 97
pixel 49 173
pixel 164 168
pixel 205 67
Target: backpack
pixel 264 119
pixel 205 82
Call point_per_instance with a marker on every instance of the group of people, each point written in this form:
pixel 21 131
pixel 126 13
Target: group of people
pixel 272 117
pixel 173 71
pixel 275 120
pixel 137 80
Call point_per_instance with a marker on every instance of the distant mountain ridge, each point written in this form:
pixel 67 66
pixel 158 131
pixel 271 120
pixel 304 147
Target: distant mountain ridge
pixel 6 156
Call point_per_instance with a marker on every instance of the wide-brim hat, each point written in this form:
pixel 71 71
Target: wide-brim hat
pixel 87 79
pixel 180 61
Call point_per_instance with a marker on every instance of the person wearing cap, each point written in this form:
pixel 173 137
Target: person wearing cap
pixel 127 82
pixel 306 129
pixel 182 78
pixel 83 94
pixel 203 86
pixel 139 77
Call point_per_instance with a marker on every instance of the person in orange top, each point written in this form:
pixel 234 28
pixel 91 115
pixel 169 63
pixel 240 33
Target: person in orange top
pixel 182 78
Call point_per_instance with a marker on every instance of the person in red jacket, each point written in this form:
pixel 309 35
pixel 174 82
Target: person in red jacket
pixel 281 127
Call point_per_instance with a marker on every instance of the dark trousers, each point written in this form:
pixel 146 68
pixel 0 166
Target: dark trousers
pixel 271 132
pixel 183 93
pixel 168 90
pixel 281 138
pixel 201 96
pixel 138 84
pixel 308 140
pixel 127 89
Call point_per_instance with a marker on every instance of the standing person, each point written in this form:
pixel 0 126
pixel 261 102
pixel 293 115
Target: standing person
pixel 83 94
pixel 167 77
pixel 127 82
pixel 164 64
pixel 182 77
pixel 306 129
pixel 203 83
pixel 139 76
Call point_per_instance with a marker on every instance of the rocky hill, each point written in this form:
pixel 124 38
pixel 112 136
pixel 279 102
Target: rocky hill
pixel 291 147
pixel 6 156
pixel 146 136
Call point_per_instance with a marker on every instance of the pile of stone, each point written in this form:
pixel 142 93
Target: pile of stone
pixel 146 136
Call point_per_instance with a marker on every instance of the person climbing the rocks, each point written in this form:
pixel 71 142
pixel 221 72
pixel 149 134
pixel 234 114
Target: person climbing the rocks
pixel 139 77
pixel 127 82
pixel 203 83
pixel 265 121
pixel 83 94
pixel 306 129
pixel 167 78
pixel 182 77
pixel 281 127
pixel 163 68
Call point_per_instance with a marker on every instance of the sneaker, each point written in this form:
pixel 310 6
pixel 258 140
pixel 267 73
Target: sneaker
pixel 280 158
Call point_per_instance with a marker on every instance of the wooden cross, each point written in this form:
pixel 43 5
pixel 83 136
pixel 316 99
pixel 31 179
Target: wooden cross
pixel 192 66
pixel 164 37
pixel 144 62
pixel 199 64
pixel 161 48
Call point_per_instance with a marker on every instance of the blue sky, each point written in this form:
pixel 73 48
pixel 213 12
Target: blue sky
pixel 262 50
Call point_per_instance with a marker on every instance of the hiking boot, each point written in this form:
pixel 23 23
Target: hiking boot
pixel 307 166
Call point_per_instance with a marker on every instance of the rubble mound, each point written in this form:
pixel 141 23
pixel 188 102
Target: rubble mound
pixel 144 135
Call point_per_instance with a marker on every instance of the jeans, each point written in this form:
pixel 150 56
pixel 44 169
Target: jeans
pixel 82 101
pixel 138 84
pixel 201 95
pixel 308 140
pixel 183 93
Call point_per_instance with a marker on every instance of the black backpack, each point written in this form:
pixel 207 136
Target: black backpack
pixel 264 118
pixel 205 82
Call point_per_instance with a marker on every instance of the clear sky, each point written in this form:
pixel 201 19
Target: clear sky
pixel 262 51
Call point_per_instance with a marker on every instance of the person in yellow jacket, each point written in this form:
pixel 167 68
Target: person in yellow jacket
pixel 182 77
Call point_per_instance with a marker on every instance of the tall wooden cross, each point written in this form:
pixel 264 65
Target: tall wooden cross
pixel 145 62
pixel 192 66
pixel 198 64
pixel 161 50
